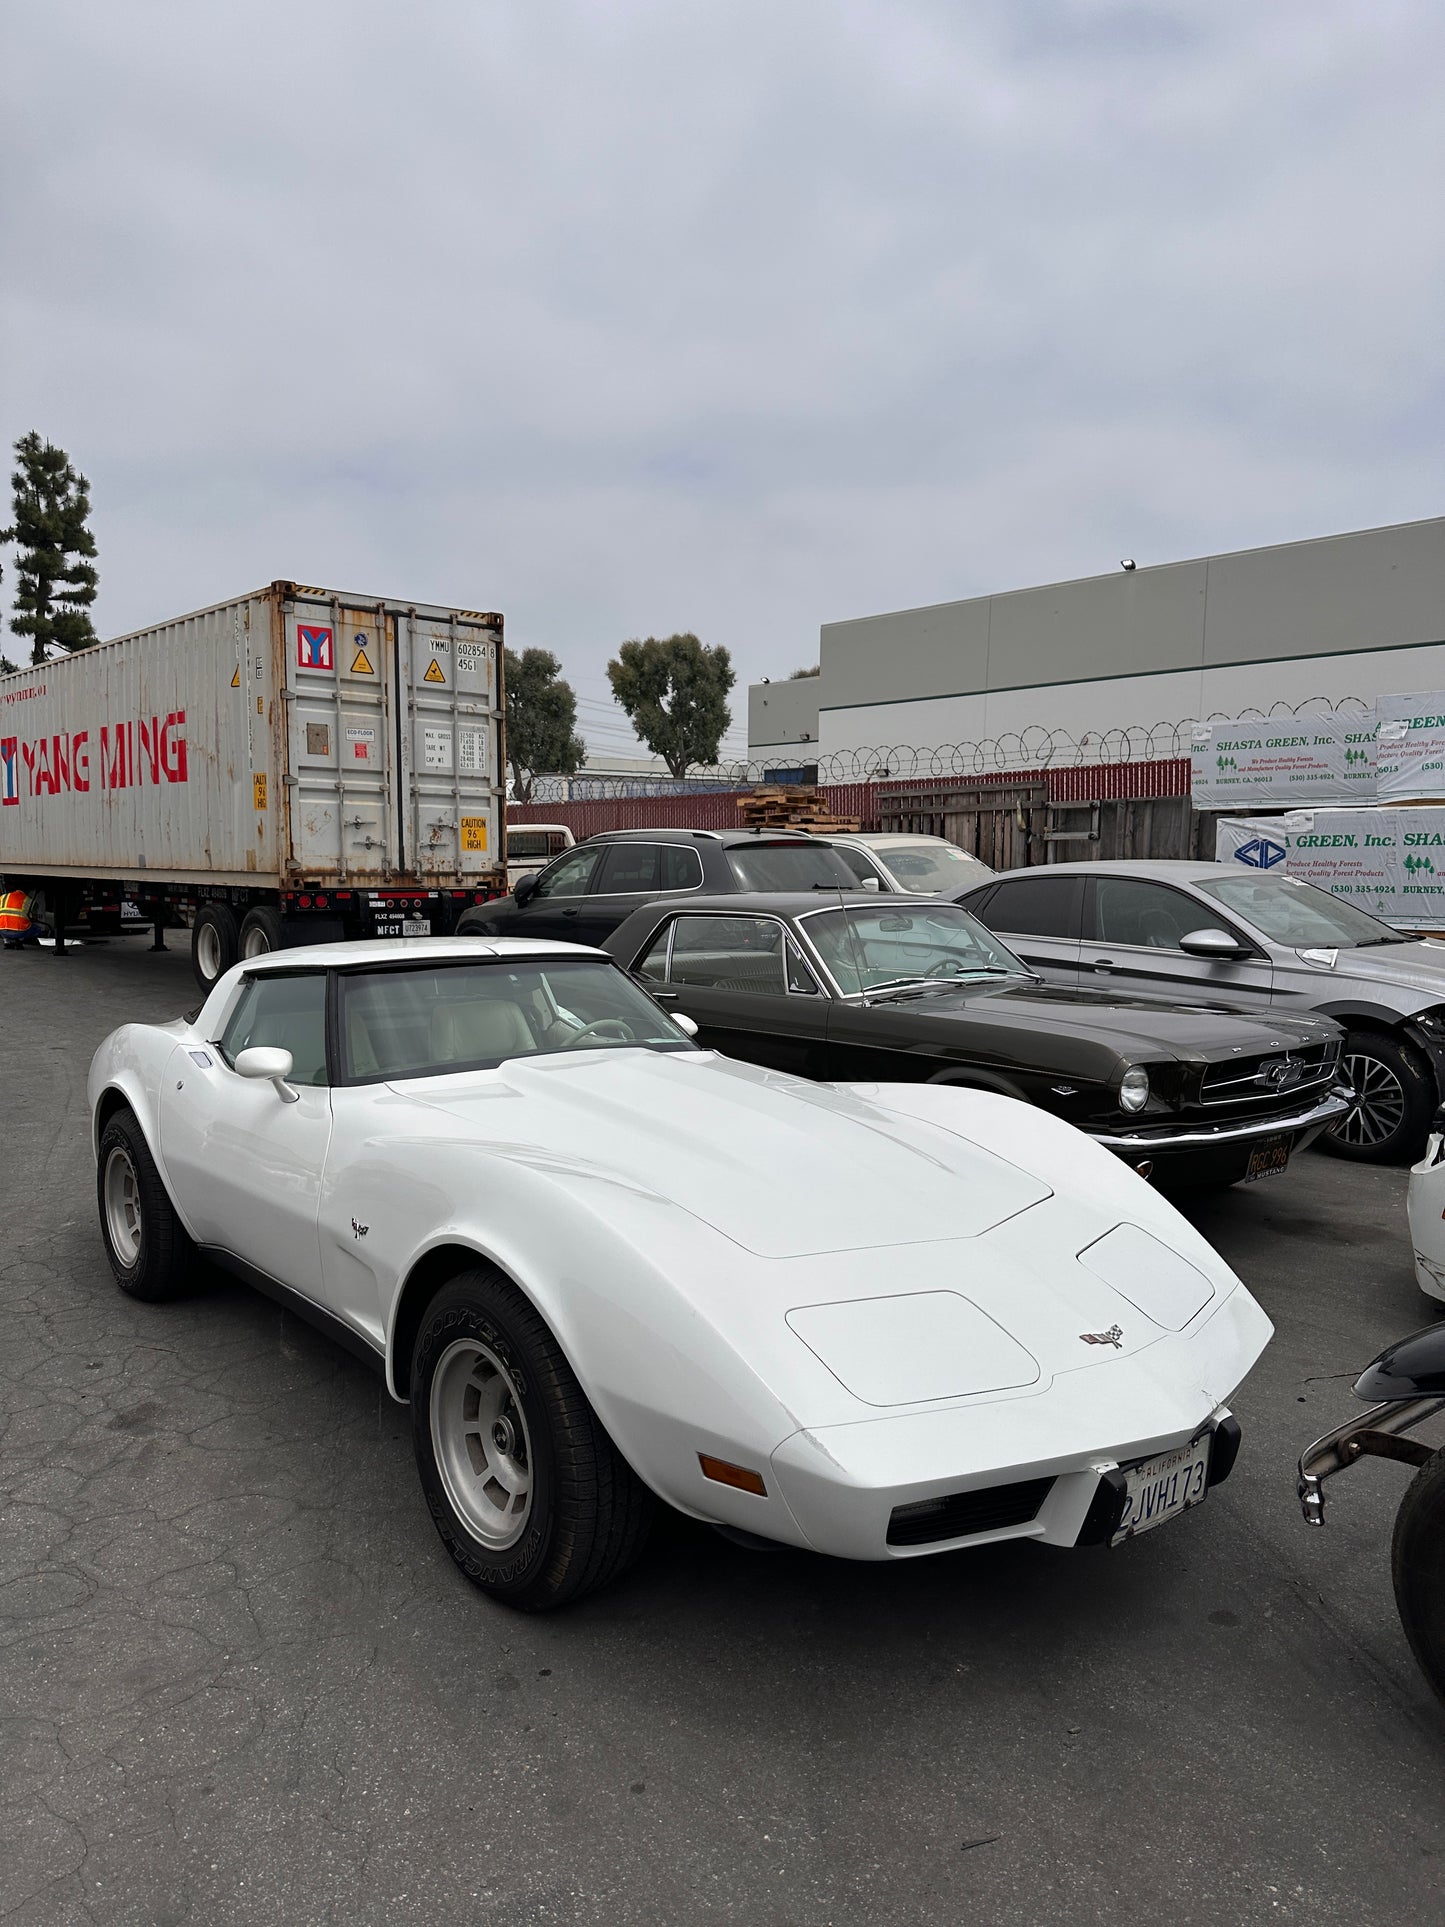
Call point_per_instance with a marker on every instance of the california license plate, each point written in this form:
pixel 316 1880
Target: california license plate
pixel 1267 1160
pixel 1160 1489
pixel 415 927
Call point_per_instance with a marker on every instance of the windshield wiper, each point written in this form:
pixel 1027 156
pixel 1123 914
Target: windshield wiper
pixel 899 985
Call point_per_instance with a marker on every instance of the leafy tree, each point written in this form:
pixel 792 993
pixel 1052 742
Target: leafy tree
pixel 541 720
pixel 56 579
pixel 674 690
pixel 802 675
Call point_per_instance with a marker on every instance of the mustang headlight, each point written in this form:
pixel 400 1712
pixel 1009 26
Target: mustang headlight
pixel 1134 1089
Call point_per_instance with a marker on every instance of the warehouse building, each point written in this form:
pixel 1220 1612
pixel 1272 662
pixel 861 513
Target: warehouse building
pixel 1138 650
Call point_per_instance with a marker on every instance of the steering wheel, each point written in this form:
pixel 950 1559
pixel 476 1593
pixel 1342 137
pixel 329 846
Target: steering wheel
pixel 616 1027
pixel 945 967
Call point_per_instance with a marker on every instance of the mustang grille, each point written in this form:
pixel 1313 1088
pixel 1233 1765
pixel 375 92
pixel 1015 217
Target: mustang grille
pixel 1272 1075
pixel 956 1514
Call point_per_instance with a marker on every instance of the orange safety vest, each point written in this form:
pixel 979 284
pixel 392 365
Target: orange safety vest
pixel 14 913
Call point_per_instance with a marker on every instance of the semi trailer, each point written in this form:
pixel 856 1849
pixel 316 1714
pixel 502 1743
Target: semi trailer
pixel 292 766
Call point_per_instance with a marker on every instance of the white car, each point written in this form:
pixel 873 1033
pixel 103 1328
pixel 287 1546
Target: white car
pixel 917 865
pixel 1426 1205
pixel 603 1265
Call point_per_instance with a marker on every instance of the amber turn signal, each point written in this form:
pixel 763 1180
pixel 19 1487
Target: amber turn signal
pixel 724 1474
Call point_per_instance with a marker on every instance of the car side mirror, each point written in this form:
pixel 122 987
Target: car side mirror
pixel 869 883
pixel 685 1024
pixel 525 889
pixel 266 1060
pixel 1212 943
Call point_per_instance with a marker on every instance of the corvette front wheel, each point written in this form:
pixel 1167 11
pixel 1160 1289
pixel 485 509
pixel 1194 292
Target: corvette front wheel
pixel 145 1241
pixel 531 1498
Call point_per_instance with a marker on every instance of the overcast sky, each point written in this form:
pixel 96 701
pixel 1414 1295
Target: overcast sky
pixel 628 316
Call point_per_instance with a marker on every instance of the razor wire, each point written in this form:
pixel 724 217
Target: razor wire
pixel 1030 748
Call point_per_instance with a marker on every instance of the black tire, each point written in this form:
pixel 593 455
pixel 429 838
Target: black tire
pixel 1417 1566
pixel 586 1513
pixel 1395 1101
pixel 215 943
pixel 260 932
pixel 151 1255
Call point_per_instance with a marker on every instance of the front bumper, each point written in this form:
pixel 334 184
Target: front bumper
pixel 1220 1147
pixel 1071 1499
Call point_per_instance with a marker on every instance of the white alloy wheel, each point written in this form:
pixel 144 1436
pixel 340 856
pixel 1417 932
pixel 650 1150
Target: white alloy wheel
pixel 123 1206
pixel 208 952
pixel 1379 1107
pixel 480 1439
pixel 255 942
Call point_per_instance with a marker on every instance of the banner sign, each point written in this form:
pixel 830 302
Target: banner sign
pixel 1302 759
pixel 1389 862
pixel 1411 747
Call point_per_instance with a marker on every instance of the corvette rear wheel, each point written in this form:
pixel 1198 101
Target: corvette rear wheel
pixel 531 1498
pixel 145 1241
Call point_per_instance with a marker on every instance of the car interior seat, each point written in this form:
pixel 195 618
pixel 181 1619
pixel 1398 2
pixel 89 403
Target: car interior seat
pixel 480 1027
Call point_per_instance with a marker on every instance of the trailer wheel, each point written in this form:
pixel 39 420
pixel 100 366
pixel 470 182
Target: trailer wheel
pixel 215 945
pixel 260 932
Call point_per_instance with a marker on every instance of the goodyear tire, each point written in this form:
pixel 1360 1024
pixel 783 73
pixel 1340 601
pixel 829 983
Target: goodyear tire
pixel 145 1241
pixel 215 943
pixel 531 1498
pixel 1394 1101
pixel 1417 1563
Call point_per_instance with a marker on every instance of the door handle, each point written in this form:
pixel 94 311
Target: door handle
pixel 1105 964
pixel 569 913
pixel 660 996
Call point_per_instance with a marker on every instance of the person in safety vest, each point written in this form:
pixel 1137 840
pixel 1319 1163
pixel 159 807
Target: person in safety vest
pixel 16 925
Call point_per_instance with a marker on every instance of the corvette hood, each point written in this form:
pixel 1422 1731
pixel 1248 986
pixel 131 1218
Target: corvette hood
pixel 784 1168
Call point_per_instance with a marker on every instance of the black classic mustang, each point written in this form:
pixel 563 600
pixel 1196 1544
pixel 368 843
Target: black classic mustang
pixel 853 990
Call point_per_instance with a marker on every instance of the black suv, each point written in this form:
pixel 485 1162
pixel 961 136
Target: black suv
pixel 586 892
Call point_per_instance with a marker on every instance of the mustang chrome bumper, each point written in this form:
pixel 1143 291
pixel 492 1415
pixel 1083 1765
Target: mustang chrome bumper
pixel 1161 1138
pixel 1376 1433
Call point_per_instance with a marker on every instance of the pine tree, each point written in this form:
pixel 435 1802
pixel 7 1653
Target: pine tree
pixel 56 579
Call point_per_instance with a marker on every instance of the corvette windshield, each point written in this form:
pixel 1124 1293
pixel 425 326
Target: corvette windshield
pixel 868 948
pixel 427 1021
pixel 1295 913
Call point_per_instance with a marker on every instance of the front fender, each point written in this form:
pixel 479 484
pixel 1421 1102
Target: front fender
pixel 644 1301
pixel 127 1071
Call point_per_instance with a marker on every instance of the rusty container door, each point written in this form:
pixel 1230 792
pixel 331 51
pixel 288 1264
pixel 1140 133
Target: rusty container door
pixel 449 673
pixel 339 740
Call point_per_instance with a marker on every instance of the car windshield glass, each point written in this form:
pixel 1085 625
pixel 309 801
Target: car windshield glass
pixel 1297 914
pixel 866 948
pixel 932 869
pixel 789 866
pixel 472 1016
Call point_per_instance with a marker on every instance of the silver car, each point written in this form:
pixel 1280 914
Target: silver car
pixel 1189 930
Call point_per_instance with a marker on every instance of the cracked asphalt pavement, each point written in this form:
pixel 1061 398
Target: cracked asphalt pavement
pixel 240 1681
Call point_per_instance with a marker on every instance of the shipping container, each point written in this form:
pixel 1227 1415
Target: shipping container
pixel 287 767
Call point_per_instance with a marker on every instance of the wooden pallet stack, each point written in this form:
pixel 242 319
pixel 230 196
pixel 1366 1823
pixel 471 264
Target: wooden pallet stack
pixel 792 806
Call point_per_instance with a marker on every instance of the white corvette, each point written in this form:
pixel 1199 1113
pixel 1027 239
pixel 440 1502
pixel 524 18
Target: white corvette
pixel 602 1265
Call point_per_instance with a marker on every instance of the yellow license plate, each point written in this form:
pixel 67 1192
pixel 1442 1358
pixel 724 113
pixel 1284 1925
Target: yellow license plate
pixel 474 833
